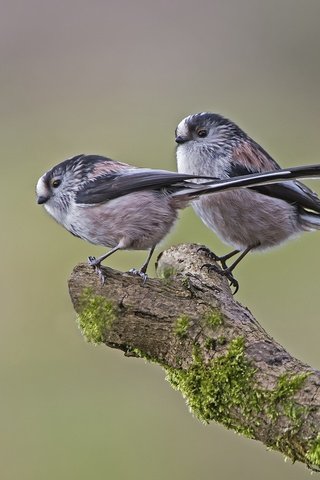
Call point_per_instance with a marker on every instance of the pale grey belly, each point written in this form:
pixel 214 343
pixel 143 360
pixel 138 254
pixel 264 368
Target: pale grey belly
pixel 244 218
pixel 136 221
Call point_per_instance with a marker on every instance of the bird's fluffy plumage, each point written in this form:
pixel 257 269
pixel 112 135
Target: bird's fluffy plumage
pixel 123 207
pixel 262 217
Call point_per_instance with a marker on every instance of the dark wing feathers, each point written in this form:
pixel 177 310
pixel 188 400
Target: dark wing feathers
pixel 108 187
pixel 292 192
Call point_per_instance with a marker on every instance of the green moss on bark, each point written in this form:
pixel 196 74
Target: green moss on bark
pixel 313 454
pixel 96 316
pixel 213 319
pixel 225 390
pixel 281 401
pixel 214 391
pixel 181 326
pixel 167 272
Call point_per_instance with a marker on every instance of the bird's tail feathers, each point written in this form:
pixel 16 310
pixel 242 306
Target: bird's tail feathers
pixel 309 220
pixel 193 190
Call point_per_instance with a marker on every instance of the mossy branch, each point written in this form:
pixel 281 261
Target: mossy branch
pixel 211 347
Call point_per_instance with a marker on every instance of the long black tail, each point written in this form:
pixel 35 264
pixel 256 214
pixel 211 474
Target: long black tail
pixel 252 180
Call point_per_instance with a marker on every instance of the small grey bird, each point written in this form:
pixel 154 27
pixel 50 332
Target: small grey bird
pixel 252 219
pixel 123 207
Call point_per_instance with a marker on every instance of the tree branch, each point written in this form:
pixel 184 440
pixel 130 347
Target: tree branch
pixel 212 348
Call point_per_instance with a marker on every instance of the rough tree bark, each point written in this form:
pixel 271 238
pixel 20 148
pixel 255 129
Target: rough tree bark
pixel 212 348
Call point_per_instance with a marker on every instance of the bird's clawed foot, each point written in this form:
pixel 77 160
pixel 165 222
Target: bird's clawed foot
pixel 141 273
pixel 212 256
pixel 209 253
pixel 226 272
pixel 93 262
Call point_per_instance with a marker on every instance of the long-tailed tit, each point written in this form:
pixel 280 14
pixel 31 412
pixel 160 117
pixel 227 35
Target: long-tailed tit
pixel 123 207
pixel 253 219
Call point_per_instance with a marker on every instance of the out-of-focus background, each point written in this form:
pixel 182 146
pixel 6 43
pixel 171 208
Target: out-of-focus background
pixel 114 78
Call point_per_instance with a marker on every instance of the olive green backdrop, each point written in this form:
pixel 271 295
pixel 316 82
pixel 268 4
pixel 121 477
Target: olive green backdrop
pixel 115 77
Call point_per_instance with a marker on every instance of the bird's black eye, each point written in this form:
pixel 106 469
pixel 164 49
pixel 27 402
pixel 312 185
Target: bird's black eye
pixel 202 133
pixel 56 182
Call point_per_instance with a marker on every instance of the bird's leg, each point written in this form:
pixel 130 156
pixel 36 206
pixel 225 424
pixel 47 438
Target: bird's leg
pixel 226 257
pixel 142 271
pixel 96 263
pixel 227 271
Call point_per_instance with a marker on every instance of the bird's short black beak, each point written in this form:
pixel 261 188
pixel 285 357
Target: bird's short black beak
pixel 180 139
pixel 42 199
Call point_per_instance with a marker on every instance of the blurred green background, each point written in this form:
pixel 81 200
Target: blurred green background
pixel 115 77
